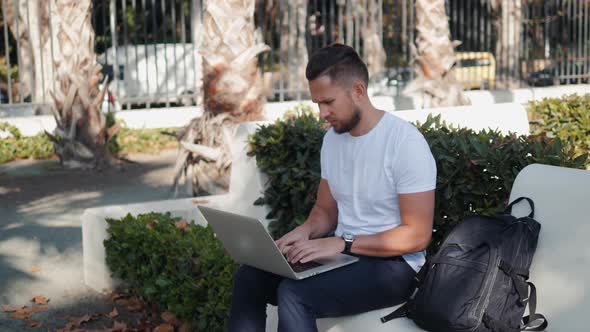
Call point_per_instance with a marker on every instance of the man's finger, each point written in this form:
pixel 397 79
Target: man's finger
pixel 286 249
pixel 295 250
pixel 304 253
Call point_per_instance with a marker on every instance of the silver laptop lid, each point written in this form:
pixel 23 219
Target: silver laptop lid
pixel 247 241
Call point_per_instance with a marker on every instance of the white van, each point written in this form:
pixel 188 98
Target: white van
pixel 156 73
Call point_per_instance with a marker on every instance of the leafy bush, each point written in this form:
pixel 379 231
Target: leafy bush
pixel 475 170
pixel 16 146
pixel 289 152
pixel 125 141
pixel 179 266
pixel 567 118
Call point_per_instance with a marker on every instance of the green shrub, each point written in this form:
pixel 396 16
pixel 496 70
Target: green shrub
pixel 475 170
pixel 567 118
pixel 180 267
pixel 288 152
pixel 124 142
pixel 16 146
pixel 143 141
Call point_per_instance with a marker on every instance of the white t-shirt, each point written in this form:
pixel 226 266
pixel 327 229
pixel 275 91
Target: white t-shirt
pixel 366 173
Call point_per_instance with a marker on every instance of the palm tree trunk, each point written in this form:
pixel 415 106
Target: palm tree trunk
pixel 81 136
pixel 435 83
pixel 507 21
pixel 233 92
pixel 28 22
pixel 293 47
pixel 374 53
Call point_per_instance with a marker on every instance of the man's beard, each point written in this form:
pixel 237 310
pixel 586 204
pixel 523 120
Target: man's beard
pixel 351 123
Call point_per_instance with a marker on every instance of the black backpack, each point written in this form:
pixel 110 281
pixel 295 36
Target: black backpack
pixel 477 281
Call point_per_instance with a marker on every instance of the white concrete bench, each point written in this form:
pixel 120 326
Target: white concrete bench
pixel 561 266
pixel 246 185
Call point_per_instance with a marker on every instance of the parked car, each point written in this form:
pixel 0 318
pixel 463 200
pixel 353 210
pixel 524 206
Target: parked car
pixel 559 73
pixel 391 81
pixel 476 70
pixel 156 73
pixel 543 77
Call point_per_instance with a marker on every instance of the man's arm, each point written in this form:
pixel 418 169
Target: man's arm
pixel 414 233
pixel 322 219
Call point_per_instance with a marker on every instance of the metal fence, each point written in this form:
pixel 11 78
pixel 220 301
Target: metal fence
pixel 149 48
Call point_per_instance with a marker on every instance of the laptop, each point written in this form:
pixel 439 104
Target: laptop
pixel 247 242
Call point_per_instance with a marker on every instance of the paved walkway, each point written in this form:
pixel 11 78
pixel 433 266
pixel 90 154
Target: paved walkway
pixel 40 227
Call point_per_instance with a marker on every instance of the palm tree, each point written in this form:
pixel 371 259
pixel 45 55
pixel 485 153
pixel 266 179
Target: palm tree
pixel 232 87
pixel 82 134
pixel 58 63
pixel 435 60
pixel 293 50
pixel 507 21
pixel 27 21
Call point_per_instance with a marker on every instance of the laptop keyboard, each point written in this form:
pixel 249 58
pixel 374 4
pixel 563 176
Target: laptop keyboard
pixel 300 267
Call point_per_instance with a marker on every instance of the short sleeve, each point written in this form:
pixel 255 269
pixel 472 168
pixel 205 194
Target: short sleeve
pixel 414 167
pixel 324 160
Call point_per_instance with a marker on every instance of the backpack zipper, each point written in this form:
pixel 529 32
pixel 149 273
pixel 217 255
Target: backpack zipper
pixel 488 285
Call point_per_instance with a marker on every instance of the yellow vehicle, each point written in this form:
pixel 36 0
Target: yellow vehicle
pixel 476 70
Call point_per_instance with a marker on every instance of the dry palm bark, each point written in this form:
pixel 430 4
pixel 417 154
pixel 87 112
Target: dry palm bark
pixel 435 60
pixel 233 92
pixel 373 51
pixel 293 48
pixel 81 136
pixel 507 21
pixel 362 20
pixel 28 22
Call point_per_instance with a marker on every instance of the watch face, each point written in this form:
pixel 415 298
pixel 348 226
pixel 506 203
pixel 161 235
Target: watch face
pixel 348 237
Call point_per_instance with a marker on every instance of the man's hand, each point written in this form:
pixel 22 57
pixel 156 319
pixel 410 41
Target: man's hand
pixel 305 251
pixel 299 234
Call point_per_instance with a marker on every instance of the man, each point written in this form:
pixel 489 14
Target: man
pixel 376 195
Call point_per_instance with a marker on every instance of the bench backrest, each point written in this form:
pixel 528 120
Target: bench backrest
pixel 561 266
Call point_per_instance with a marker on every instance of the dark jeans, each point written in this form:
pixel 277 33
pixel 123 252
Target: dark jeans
pixel 369 284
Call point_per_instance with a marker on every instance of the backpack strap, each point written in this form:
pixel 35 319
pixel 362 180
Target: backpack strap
pixel 398 313
pixel 528 294
pixel 404 310
pixel 519 283
pixel 518 200
pixel 534 321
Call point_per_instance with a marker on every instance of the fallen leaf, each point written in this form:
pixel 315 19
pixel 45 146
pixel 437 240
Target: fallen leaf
pixel 9 308
pixel 200 201
pixel 144 326
pixel 119 327
pixel 35 269
pixel 40 300
pixel 35 323
pixel 132 304
pixel 185 327
pixel 36 309
pixel 25 312
pixel 164 328
pixel 168 317
pixel 114 313
pixel 77 321
pixel 182 224
pixel 113 296
pixel 21 315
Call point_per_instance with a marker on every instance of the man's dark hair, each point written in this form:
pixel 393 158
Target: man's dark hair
pixel 339 62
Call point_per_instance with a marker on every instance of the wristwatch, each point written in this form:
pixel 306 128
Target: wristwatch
pixel 348 240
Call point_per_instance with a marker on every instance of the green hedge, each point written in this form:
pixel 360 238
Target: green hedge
pixel 16 146
pixel 126 141
pixel 475 170
pixel 179 266
pixel 567 118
